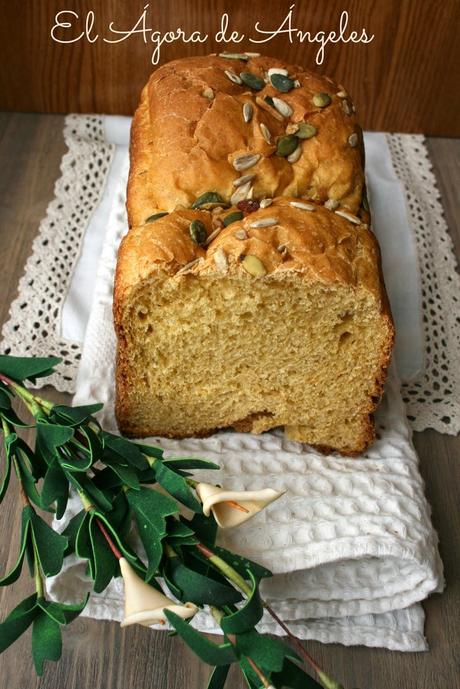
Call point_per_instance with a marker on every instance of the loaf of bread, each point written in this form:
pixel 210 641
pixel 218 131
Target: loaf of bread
pixel 248 291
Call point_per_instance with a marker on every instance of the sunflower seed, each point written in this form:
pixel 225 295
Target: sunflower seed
pixel 353 139
pixel 254 266
pixel 282 107
pixel 240 234
pixel 265 203
pixel 235 56
pixel 155 216
pixel 197 232
pixel 269 107
pixel 233 217
pixel 264 222
pixel 295 155
pixel 214 234
pixel 332 204
pixel 342 94
pixel 365 201
pixel 246 161
pixel 281 248
pixel 302 206
pixel 243 192
pixel 208 92
pixel 220 259
pixel 252 54
pixel 233 77
pixel 286 145
pixel 209 197
pixel 306 131
pixel 297 84
pixel 292 128
pixel 349 216
pixel 281 83
pixel 266 133
pixel 247 111
pixel 346 107
pixel 277 70
pixel 321 100
pixel 189 265
pixel 242 180
pixel 252 80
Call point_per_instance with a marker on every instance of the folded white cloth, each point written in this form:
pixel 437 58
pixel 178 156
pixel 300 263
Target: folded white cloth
pixel 351 543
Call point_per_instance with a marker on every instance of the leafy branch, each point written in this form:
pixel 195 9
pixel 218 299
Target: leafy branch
pixel 124 485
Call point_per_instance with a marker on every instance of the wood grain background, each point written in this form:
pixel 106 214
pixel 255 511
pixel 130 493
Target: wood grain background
pixel 406 79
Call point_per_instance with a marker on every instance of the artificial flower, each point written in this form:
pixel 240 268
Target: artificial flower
pixel 233 507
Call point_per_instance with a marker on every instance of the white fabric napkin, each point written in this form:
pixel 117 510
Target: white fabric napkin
pixel 351 543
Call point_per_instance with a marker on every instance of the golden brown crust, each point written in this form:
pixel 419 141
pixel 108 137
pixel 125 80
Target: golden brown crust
pixel 183 143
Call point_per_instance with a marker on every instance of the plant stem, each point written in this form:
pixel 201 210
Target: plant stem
pixel 233 576
pixel 217 615
pixel 110 543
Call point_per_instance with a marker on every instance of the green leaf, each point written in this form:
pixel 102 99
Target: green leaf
pixel 101 499
pixel 175 463
pixel 93 446
pixel 176 486
pixel 83 547
pixel 49 438
pixel 10 441
pixel 74 416
pixel 218 677
pixel 46 641
pixel 150 510
pixel 5 400
pixel 180 534
pixel 17 621
pixel 50 546
pixel 71 531
pixel 55 489
pixel 294 677
pixel 149 450
pixel 14 573
pixel 207 651
pixel 124 449
pixel 29 482
pixel 114 534
pixel 240 563
pixel 27 368
pixel 267 652
pixel 198 588
pixel 105 563
pixel 124 472
pixel 13 419
pixel 205 528
pixel 246 618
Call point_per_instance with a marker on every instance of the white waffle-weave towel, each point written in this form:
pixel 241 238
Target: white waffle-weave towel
pixel 351 543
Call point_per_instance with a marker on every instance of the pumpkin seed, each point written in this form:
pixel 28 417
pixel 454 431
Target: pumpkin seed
pixel 349 216
pixel 286 145
pixel 246 161
pixel 209 197
pixel 155 216
pixel 220 259
pixel 306 131
pixel 198 232
pixel 281 83
pixel 254 266
pixel 283 108
pixel 302 206
pixel 295 155
pixel 269 100
pixel 233 217
pixel 266 133
pixel 264 222
pixel 321 100
pixel 240 234
pixel 247 111
pixel 242 193
pixel 252 80
pixel 277 70
pixel 265 203
pixel 242 180
pixel 208 92
pixel 353 140
pixel 235 56
pixel 342 94
pixel 332 204
pixel 233 77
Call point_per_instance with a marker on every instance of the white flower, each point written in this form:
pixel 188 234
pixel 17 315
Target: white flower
pixel 144 604
pixel 233 507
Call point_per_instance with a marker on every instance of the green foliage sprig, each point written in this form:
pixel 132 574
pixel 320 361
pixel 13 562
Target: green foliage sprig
pixel 113 478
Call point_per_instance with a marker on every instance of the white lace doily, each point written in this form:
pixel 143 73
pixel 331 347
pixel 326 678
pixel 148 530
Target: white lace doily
pixel 34 327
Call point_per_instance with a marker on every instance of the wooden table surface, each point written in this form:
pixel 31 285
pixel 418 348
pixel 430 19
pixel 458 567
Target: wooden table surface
pixel 99 655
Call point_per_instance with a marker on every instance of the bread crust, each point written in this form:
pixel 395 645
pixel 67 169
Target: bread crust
pixel 183 144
